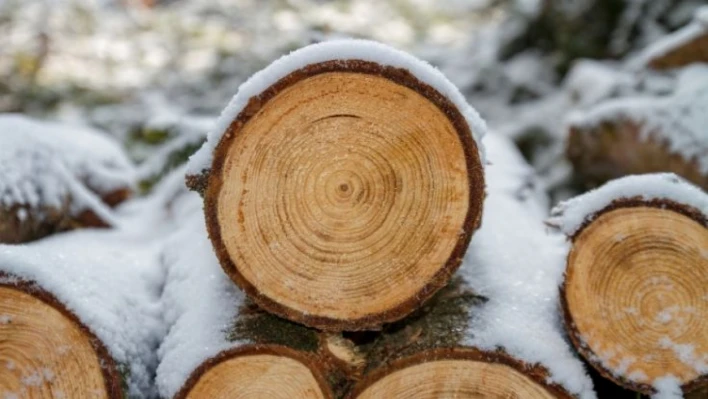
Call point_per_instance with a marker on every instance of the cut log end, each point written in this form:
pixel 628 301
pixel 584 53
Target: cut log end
pixel 344 195
pixel 46 353
pixel 256 372
pixel 636 296
pixel 464 373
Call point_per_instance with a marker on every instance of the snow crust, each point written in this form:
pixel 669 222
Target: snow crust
pixel 519 266
pixel 45 164
pixel 570 215
pixel 200 304
pixel 111 281
pixel 342 50
pixel 679 120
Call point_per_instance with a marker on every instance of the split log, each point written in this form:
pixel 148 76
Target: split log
pixel 56 177
pixel 77 319
pixel 636 283
pixel 221 345
pixel 638 135
pixel 342 185
pixel 493 331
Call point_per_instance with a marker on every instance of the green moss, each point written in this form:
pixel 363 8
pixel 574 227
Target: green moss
pixel 261 327
pixel 441 323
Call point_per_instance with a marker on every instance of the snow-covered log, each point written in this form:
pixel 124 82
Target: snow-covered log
pixel 645 134
pixel 221 345
pixel 494 331
pixel 56 177
pixel 342 184
pixel 79 317
pixel 685 46
pixel 635 294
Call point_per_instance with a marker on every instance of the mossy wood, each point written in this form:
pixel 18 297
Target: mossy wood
pixel 426 356
pixel 635 288
pixel 276 358
pixel 344 196
pixel 47 352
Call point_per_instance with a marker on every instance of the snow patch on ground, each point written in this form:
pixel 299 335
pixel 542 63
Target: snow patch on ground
pixel 569 216
pixel 335 50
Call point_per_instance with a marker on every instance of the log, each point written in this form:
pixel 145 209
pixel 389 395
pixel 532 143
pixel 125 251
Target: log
pixel 57 177
pixel 644 134
pixel 636 282
pixel 343 185
pixel 220 344
pixel 491 331
pixel 425 356
pixel 685 46
pixel 78 318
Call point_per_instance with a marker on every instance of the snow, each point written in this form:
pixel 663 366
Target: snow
pixel 667 387
pixel 678 120
pixel 518 266
pixel 200 304
pixel 44 164
pixel 341 50
pixel 569 216
pixel 110 281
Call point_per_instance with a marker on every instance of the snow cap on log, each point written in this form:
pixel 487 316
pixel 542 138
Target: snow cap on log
pixel 677 49
pixel 572 215
pixel 667 133
pixel 110 285
pixel 51 172
pixel 335 50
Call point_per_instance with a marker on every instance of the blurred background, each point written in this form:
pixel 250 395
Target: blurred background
pixel 156 73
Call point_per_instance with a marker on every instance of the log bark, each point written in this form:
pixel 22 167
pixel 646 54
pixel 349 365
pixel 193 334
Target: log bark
pixel 634 292
pixel 47 351
pixel 425 356
pixel 343 196
pixel 614 148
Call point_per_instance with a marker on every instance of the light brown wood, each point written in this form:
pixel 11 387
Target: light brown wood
pixel 636 292
pixel 447 379
pixel 257 376
pixel 343 198
pixel 43 354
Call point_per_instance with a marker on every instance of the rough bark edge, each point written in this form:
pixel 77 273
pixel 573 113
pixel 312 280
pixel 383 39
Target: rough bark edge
pixel 475 173
pixel 693 51
pixel 570 327
pixel 111 375
pixel 576 152
pixel 251 350
pixel 537 373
